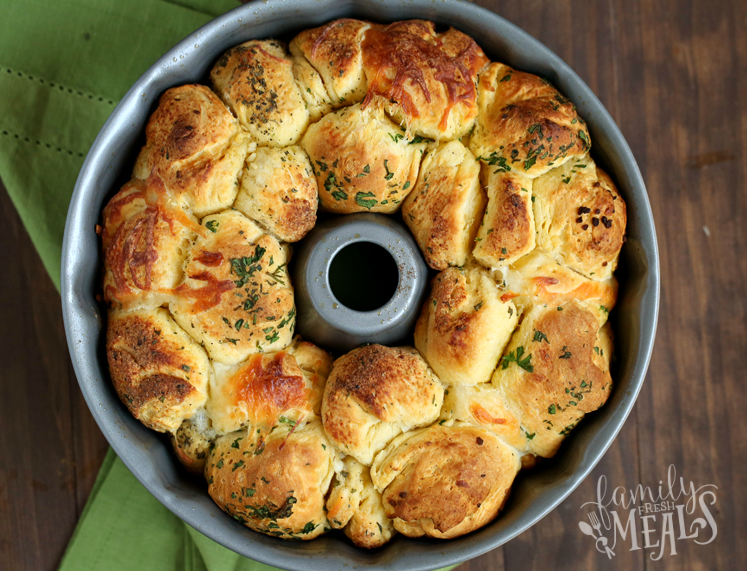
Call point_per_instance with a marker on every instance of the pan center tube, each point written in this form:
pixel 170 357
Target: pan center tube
pixel 359 279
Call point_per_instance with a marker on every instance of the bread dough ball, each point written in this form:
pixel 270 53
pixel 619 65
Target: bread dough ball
pixel 464 326
pixel 159 372
pixel 269 388
pixel 362 161
pixel 145 239
pixel 278 191
pixel 444 481
pixel 274 484
pixel 196 148
pixel 555 370
pixel 236 298
pixel 335 52
pixel 256 81
pixel 375 393
pixel 445 208
pixel 524 124
pixel 581 218
pixel 426 80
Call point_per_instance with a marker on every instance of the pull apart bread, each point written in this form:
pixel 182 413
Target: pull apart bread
pixel 491 171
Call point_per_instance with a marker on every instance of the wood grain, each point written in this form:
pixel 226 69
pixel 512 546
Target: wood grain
pixel 673 74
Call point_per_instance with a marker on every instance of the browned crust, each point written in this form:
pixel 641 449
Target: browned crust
pixel 256 81
pixel 375 376
pixel 335 51
pixel 273 486
pixel 568 377
pixel 190 127
pixel 137 356
pixel 412 68
pixel 528 124
pixel 447 476
pixel 439 208
pixel 507 231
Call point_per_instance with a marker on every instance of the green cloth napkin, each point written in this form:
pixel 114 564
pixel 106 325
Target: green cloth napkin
pixel 64 65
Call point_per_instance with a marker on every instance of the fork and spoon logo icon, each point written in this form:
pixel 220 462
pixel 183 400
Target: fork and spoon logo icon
pixel 587 530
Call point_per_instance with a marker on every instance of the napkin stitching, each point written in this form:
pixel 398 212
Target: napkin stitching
pixel 61 87
pixel 38 143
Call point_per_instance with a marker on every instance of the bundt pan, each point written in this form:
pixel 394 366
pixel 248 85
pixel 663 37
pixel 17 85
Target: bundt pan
pixel 149 456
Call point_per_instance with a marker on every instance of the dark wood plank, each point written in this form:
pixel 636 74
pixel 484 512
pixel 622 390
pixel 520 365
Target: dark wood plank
pixel 685 69
pixel 50 446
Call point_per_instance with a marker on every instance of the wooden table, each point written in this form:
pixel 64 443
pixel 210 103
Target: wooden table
pixel 673 74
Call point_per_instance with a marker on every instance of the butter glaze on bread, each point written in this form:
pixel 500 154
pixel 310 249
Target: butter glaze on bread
pixel 195 146
pixel 160 373
pixel 491 168
pixel 444 209
pixel 256 81
pixel 375 393
pixel 362 161
pixel 464 326
pixel 444 481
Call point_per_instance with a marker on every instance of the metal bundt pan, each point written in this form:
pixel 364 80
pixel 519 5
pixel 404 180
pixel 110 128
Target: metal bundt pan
pixel 148 455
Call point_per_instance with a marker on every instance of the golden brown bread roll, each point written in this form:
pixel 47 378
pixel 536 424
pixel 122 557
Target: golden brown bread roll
pixel 537 279
pixel 196 147
pixel 354 505
pixel 145 238
pixel 278 190
pixel 524 124
pixel 581 218
pixel 269 388
pixel 274 485
pixel 464 326
pixel 444 481
pixel 426 80
pixel 192 440
pixel 507 230
pixel 362 161
pixel 482 405
pixel 256 81
pixel 373 394
pixel 335 52
pixel 236 298
pixel 346 492
pixel 159 372
pixel 311 85
pixel 444 209
pixel 554 371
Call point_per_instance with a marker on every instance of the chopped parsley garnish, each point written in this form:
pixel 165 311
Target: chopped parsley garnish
pixel 309 527
pixel 516 357
pixel 364 199
pixel 245 267
pixel 212 225
pixel 389 174
pixel 566 353
pixel 539 337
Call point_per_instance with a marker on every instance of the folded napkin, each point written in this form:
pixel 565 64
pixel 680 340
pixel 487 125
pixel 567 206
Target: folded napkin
pixel 64 65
